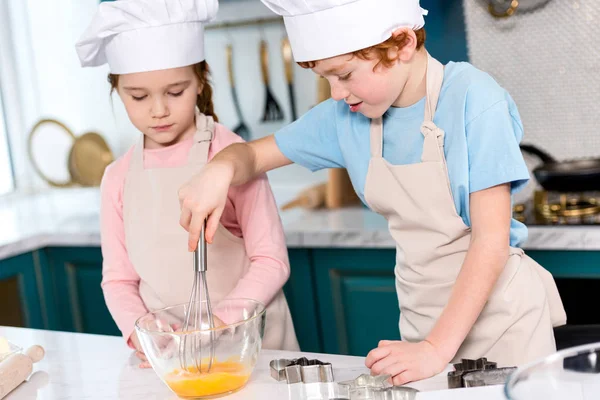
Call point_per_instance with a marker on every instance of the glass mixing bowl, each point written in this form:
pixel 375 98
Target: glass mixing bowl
pixel 570 374
pixel 176 355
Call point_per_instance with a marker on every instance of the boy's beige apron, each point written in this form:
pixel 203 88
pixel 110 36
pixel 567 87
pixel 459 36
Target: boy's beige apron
pixel 432 241
pixel 157 244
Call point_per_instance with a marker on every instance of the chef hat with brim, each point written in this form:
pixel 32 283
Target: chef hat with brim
pixel 319 29
pixel 146 35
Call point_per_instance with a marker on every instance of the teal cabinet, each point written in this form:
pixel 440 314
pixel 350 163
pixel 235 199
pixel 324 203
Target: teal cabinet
pixel 569 264
pixel 22 296
pixel 343 301
pixel 77 273
pixel 300 292
pixel 357 299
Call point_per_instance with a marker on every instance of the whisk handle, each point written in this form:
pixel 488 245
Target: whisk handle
pixel 200 259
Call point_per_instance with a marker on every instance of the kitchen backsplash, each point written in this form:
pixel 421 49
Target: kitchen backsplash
pixel 548 58
pixel 553 79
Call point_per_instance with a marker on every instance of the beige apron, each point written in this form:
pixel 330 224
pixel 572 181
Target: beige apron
pixel 432 241
pixel 157 244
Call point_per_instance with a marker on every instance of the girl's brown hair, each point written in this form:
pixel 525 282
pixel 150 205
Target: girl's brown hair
pixel 204 100
pixel 380 50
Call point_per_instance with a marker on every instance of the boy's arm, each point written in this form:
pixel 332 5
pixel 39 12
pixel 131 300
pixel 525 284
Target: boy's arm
pixel 205 195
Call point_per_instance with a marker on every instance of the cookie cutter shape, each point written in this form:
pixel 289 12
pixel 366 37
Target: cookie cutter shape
pixel 480 372
pixel 370 387
pixel 301 370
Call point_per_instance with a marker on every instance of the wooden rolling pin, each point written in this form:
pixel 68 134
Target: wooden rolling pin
pixel 17 368
pixel 340 192
pixel 313 197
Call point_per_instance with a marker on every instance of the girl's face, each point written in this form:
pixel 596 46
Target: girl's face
pixel 161 104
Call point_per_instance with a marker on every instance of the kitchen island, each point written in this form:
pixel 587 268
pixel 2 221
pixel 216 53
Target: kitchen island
pixel 92 367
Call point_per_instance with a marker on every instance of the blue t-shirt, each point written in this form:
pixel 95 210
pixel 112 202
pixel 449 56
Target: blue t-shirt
pixel 482 125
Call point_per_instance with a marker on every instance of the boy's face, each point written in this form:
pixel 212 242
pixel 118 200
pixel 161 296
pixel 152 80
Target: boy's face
pixel 161 104
pixel 366 87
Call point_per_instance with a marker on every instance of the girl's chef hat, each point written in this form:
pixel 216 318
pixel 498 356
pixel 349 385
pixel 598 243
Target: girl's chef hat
pixel 146 35
pixel 320 29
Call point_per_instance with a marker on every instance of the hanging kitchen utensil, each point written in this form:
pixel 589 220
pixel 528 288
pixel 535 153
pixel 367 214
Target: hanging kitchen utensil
pixel 88 157
pixel 272 109
pixel 579 175
pixel 507 8
pixel 288 63
pixel 242 129
pixel 37 128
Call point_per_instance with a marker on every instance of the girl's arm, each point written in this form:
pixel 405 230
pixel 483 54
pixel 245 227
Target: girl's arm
pixel 120 281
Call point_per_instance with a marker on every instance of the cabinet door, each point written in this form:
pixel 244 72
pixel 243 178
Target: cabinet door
pixel 577 276
pixel 357 299
pixel 77 273
pixel 300 293
pixel 21 297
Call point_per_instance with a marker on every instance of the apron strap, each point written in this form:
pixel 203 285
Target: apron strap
pixel 433 142
pixel 434 81
pixel 137 158
pixel 205 129
pixel 376 136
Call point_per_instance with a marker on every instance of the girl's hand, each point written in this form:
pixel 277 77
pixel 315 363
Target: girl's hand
pixel 139 353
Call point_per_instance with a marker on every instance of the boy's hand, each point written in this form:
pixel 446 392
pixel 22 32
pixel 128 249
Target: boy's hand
pixel 204 198
pixel 404 361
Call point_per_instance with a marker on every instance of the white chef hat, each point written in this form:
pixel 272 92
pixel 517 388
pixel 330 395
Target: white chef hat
pixel 146 35
pixel 320 29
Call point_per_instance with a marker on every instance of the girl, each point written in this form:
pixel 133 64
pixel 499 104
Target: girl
pixel 433 148
pixel 155 52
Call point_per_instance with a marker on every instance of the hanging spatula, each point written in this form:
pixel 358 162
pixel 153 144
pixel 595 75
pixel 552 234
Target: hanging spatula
pixel 288 63
pixel 242 129
pixel 272 109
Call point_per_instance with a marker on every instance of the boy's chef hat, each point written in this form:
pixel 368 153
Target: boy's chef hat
pixel 146 35
pixel 320 29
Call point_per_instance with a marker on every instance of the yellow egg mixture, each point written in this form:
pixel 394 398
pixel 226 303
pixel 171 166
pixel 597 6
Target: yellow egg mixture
pixel 223 377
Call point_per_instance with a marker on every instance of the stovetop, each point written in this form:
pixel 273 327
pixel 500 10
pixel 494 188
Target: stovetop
pixel 560 209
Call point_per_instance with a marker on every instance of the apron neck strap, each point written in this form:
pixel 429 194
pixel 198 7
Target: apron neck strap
pixel 434 137
pixel 434 80
pixel 205 130
pixel 198 155
pixel 137 158
pixel 376 137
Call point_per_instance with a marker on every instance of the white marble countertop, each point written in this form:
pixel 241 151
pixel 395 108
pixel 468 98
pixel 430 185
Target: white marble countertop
pixel 82 366
pixel 70 217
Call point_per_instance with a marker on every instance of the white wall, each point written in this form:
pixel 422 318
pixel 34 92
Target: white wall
pixel 41 75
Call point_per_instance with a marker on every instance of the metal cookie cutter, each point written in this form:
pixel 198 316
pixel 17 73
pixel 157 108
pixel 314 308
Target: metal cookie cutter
pixel 301 370
pixel 367 387
pixel 480 372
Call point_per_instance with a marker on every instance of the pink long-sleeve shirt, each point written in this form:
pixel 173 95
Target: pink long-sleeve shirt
pixel 250 213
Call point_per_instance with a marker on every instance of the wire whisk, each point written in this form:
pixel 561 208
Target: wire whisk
pixel 198 328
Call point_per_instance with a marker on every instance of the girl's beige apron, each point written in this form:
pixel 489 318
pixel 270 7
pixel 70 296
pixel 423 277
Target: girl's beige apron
pixel 157 244
pixel 432 241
